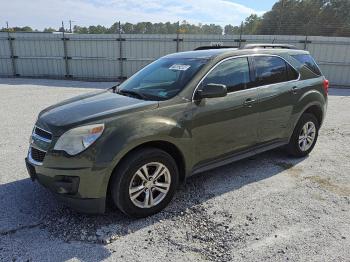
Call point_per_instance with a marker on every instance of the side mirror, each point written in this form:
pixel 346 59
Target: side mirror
pixel 211 91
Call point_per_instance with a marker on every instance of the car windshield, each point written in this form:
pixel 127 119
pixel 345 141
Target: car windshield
pixel 162 79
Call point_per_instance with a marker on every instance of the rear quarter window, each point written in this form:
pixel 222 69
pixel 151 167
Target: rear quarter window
pixel 272 70
pixel 309 62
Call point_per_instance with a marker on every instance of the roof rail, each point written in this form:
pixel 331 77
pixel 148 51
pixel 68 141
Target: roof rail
pixel 214 47
pixel 265 46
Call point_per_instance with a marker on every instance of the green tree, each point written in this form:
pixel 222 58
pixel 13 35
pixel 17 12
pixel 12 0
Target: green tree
pixel 99 29
pixel 26 29
pixel 287 17
pixel 307 17
pixel 128 28
pixel 80 29
pixel 49 30
pixel 232 30
pixel 212 29
pixel 252 24
pixel 140 28
pixel 18 29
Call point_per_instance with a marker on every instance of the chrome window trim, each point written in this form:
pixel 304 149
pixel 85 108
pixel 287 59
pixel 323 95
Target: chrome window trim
pixel 247 56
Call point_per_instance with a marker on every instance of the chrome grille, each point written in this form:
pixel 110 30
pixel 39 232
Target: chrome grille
pixel 37 155
pixel 39 144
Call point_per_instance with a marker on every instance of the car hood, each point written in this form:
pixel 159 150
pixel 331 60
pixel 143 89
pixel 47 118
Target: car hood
pixel 90 107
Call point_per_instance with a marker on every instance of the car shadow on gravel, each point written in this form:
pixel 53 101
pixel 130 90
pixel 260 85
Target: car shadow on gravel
pixel 30 202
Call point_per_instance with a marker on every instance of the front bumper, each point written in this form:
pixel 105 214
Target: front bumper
pixel 83 189
pixel 84 205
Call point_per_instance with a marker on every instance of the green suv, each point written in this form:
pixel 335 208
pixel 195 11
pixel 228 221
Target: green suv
pixel 183 114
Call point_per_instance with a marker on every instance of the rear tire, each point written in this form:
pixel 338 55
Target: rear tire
pixel 144 183
pixel 304 136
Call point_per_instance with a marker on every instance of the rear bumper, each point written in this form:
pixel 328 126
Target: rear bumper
pixel 82 189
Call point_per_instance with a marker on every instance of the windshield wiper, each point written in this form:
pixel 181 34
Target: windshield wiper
pixel 135 94
pixel 113 88
pixel 131 93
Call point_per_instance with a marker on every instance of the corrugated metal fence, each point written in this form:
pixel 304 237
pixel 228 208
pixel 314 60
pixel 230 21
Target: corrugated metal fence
pixel 113 56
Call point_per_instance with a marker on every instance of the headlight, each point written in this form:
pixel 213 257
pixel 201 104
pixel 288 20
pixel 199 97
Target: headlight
pixel 78 139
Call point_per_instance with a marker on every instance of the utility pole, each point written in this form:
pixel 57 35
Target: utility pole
pixel 64 39
pixel 177 36
pixel 70 25
pixel 12 50
pixel 240 35
pixel 62 28
pixel 121 64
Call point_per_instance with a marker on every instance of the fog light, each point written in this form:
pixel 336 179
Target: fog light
pixel 66 184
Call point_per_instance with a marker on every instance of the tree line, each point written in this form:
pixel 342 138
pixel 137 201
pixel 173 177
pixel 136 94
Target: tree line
pixel 287 17
pixel 152 28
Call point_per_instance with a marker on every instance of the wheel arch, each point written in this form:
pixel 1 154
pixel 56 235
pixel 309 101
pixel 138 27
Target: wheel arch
pixel 314 109
pixel 313 102
pixel 317 111
pixel 166 146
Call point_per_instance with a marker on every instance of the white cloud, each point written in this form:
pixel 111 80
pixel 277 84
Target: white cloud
pixel 40 13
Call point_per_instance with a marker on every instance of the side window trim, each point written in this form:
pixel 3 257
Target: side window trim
pixel 318 67
pixel 251 67
pixel 251 71
pixel 288 66
pixel 232 61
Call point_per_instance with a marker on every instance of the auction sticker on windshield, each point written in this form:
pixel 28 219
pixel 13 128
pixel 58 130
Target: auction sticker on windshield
pixel 179 67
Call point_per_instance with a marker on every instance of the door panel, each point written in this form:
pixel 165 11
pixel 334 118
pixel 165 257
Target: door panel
pixel 276 96
pixel 221 126
pixel 276 107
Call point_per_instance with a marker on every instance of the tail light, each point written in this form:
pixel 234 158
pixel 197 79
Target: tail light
pixel 326 85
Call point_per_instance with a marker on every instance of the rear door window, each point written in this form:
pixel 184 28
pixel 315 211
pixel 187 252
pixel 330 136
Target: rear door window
pixel 270 70
pixel 309 62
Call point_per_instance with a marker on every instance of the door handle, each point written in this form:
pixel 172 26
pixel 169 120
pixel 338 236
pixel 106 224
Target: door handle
pixel 249 102
pixel 294 90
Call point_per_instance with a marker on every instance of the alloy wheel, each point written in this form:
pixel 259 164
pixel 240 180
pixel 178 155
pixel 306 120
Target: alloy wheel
pixel 149 185
pixel 307 136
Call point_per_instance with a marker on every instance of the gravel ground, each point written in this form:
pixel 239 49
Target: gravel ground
pixel 269 207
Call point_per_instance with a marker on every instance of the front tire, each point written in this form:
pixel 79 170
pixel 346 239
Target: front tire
pixel 144 183
pixel 304 136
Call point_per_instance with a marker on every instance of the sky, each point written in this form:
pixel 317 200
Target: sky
pixel 40 14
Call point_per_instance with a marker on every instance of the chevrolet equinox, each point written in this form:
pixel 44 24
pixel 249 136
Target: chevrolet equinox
pixel 183 114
